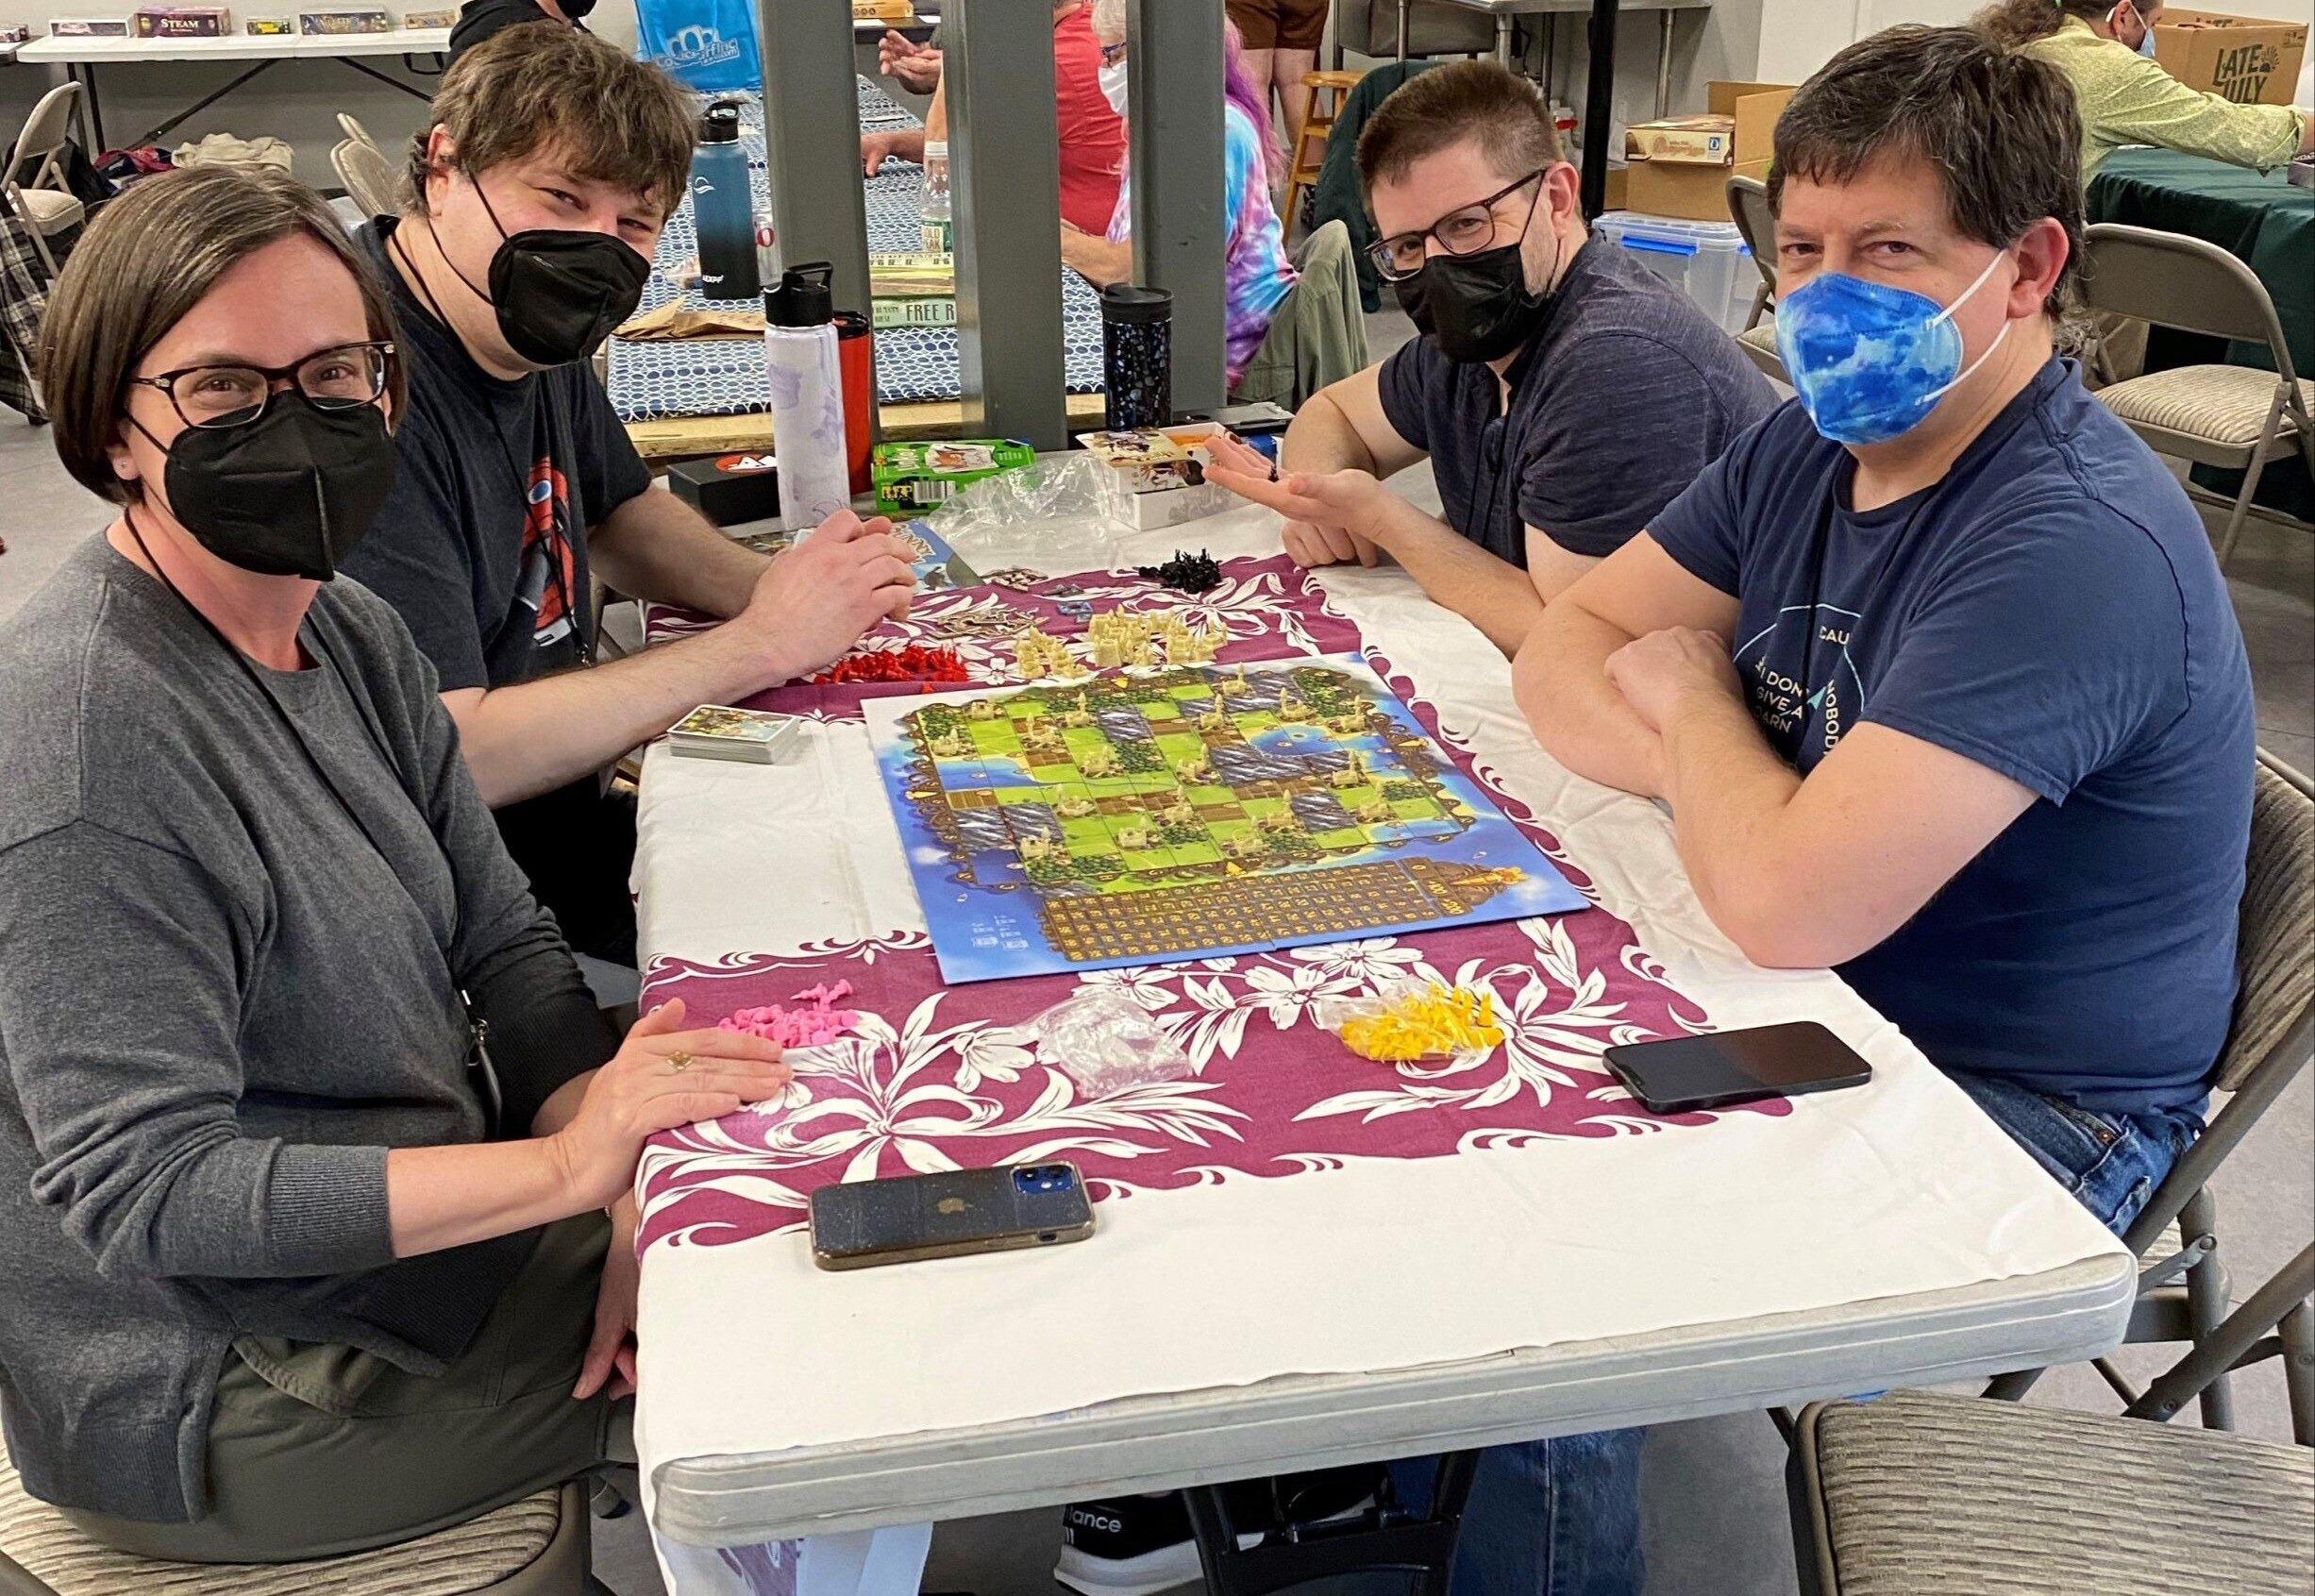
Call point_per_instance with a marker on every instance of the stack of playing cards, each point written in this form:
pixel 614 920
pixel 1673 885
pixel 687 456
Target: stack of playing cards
pixel 713 732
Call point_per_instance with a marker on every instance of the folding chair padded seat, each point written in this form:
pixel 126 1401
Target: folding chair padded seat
pixel 50 210
pixel 2226 405
pixel 1925 1495
pixel 484 1556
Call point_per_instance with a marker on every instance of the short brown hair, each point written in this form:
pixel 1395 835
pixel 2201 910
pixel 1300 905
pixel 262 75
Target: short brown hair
pixel 544 85
pixel 151 256
pixel 1441 108
pixel 1998 127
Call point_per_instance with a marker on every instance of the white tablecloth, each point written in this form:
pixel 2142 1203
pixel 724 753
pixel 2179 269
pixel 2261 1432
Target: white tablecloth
pixel 1359 1264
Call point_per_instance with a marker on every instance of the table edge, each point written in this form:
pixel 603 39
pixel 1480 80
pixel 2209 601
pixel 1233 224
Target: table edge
pixel 1169 1440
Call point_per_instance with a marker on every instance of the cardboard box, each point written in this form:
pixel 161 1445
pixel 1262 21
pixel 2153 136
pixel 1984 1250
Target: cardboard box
pixel 2251 61
pixel 446 18
pixel 912 478
pixel 729 489
pixel 1698 191
pixel 1156 476
pixel 88 28
pixel 268 28
pixel 1701 140
pixel 179 22
pixel 344 22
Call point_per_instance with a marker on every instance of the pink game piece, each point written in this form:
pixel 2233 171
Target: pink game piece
pixel 814 1025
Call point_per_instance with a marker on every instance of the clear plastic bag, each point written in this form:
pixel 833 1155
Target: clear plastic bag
pixel 1048 488
pixel 1333 1014
pixel 1106 1042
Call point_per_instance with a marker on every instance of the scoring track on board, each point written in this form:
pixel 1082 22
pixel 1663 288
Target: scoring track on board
pixel 1190 812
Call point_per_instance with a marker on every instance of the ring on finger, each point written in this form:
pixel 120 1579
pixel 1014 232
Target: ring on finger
pixel 679 1062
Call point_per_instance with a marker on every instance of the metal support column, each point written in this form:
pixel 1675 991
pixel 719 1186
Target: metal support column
pixel 1004 178
pixel 1664 64
pixel 1174 62
pixel 812 140
pixel 1599 103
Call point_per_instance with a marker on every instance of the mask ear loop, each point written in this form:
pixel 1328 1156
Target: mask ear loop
pixel 1947 315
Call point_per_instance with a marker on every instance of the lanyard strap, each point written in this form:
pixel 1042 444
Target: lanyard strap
pixel 478 1029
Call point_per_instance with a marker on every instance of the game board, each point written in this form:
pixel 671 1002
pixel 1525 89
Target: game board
pixel 1152 815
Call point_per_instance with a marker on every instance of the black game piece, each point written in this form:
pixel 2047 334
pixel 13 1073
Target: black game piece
pixel 1186 572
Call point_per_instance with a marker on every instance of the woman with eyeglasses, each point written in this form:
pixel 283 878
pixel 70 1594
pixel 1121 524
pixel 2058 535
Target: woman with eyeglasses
pixel 308 1125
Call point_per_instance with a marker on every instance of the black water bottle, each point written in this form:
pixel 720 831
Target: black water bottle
pixel 723 210
pixel 1138 357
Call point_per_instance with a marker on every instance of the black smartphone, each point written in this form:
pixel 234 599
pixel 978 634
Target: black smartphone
pixel 1684 1073
pixel 862 1224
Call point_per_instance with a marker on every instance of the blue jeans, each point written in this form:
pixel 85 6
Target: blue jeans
pixel 1551 1517
pixel 2110 1162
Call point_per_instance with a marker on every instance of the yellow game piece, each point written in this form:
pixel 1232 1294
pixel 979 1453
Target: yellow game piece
pixel 1438 1021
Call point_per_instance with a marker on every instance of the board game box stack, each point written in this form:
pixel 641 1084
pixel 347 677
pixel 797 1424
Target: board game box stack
pixel 1156 476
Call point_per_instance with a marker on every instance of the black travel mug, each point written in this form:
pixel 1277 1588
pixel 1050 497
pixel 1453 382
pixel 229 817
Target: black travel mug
pixel 1138 357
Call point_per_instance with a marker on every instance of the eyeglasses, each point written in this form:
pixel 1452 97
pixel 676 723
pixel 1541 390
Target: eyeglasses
pixel 337 378
pixel 1464 231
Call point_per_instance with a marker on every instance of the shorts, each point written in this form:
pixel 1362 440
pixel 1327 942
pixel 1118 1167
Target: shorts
pixel 1280 25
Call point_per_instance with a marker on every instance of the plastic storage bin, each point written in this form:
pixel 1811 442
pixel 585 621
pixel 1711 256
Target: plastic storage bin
pixel 1706 261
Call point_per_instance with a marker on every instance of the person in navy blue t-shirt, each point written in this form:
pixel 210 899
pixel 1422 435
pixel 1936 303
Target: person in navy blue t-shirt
pixel 1935 667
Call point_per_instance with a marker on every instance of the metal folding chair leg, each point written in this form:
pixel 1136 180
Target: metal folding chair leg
pixel 2297 1334
pixel 2267 435
pixel 2208 1294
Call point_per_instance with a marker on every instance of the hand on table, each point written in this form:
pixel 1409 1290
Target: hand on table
pixel 661 1078
pixel 815 600
pixel 1656 672
pixel 609 1363
pixel 1331 516
pixel 877 148
pixel 914 67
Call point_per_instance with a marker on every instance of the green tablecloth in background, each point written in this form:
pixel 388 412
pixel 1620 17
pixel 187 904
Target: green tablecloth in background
pixel 2263 221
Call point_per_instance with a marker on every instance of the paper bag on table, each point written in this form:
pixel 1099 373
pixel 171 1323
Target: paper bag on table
pixel 675 320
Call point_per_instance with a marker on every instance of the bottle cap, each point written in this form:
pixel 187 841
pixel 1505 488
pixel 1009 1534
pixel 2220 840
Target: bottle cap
pixel 1133 304
pixel 936 149
pixel 721 124
pixel 804 297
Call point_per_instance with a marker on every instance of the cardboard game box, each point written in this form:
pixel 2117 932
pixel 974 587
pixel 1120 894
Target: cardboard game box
pixel 344 20
pixel 1685 184
pixel 1155 476
pixel 2251 61
pixel 910 478
pixel 89 28
pixel 180 21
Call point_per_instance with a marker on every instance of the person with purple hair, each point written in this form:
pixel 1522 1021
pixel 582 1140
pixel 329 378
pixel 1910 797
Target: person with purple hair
pixel 1256 273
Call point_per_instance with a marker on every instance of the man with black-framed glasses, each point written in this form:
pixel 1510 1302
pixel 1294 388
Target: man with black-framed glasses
pixel 1565 394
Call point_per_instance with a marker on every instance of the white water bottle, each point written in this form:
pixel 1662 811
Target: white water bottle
pixel 800 356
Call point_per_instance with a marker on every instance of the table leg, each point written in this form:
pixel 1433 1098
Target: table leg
pixel 91 110
pixel 389 81
pixel 1664 65
pixel 1503 37
pixel 1598 101
pixel 1402 28
pixel 154 134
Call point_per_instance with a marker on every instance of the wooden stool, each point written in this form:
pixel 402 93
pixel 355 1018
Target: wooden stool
pixel 1309 145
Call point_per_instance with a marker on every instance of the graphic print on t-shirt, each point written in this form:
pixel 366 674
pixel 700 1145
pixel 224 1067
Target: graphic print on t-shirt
pixel 1805 692
pixel 547 576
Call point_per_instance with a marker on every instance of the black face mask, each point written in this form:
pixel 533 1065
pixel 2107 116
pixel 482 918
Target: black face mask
pixel 574 10
pixel 1416 303
pixel 559 295
pixel 1478 305
pixel 289 494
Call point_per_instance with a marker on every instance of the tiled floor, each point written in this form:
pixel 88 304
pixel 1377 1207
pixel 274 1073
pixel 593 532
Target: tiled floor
pixel 1715 1508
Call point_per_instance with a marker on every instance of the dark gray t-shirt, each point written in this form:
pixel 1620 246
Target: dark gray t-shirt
pixel 1626 393
pixel 225 993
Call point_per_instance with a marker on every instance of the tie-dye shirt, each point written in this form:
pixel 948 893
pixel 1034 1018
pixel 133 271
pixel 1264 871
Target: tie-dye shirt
pixel 1256 273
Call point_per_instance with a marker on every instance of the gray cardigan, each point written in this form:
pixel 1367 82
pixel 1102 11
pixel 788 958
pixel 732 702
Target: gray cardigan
pixel 220 1005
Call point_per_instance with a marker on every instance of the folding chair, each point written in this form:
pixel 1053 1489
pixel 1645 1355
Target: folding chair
pixel 1748 203
pixel 534 1547
pixel 2225 415
pixel 2183 1286
pixel 367 176
pixel 32 178
pixel 1917 1494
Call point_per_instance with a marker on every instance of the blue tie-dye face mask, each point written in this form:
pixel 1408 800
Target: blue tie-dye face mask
pixel 1868 361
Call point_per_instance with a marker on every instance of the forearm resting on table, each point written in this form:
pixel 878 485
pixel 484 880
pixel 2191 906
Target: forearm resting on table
pixel 1560 680
pixel 535 736
pixel 439 1197
pixel 659 548
pixel 1493 594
